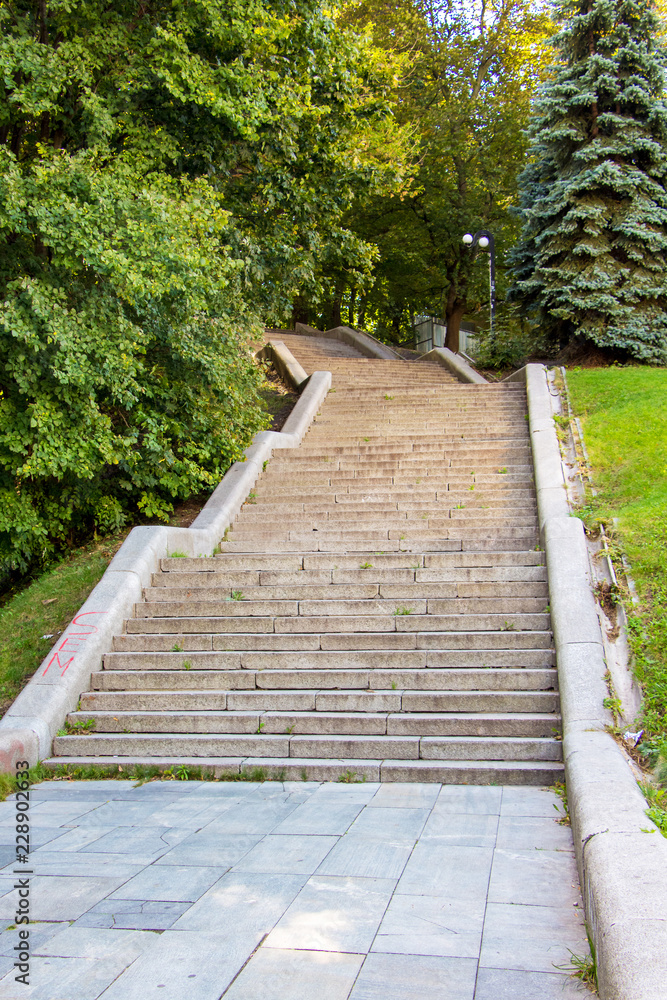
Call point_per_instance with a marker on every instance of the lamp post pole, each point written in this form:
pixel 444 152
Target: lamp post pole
pixel 484 239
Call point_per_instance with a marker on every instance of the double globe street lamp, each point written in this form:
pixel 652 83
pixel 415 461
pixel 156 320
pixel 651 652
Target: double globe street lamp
pixel 484 239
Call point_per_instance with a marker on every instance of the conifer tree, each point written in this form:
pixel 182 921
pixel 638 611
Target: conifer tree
pixel 591 265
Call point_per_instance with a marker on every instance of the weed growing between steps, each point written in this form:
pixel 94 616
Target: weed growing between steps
pixel 140 773
pixel 143 773
pixel 624 417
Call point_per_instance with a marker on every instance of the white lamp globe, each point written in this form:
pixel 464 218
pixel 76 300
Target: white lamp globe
pixel 467 239
pixel 484 242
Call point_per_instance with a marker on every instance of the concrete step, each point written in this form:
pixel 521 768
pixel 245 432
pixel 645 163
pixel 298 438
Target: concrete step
pixel 452 679
pixel 392 584
pixel 538 773
pixel 309 615
pixel 183 711
pixel 307 746
pixel 261 717
pixel 337 593
pixel 422 691
pixel 429 650
pixel 305 641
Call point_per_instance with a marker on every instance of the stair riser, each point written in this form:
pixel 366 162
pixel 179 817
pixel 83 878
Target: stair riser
pixel 409 593
pixel 163 716
pixel 315 642
pixel 418 682
pixel 337 747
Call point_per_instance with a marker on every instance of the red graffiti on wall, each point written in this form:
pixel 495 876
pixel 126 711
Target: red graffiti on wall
pixel 87 629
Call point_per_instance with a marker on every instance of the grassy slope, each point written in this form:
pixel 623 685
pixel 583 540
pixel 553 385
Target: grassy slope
pixel 45 608
pixel 624 415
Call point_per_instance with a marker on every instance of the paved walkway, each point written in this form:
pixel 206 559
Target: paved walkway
pixel 294 891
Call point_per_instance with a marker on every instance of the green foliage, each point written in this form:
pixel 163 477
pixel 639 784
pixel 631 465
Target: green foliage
pixel 624 415
pixel 470 72
pixel 509 346
pixel 169 173
pixel 591 263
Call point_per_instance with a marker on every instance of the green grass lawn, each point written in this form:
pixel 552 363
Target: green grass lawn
pixel 624 416
pixel 31 619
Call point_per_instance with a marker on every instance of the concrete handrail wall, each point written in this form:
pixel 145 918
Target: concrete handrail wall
pixel 366 344
pixel 28 727
pixel 621 855
pixel 282 359
pixel 455 364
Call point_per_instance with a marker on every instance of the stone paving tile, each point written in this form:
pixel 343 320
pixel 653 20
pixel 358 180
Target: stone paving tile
pixel 282 974
pixel 245 903
pixel 179 884
pixel 68 812
pixel 366 857
pixel 519 800
pixel 534 877
pixel 390 824
pixel 470 799
pixel 74 839
pixel 363 792
pixel 76 941
pixel 255 815
pixel 209 848
pixel 460 873
pixel 61 898
pixel 460 829
pixel 321 816
pixel 334 914
pixel 64 979
pixel 120 866
pixel 133 914
pixel 119 814
pixel 104 787
pixel 416 977
pixel 505 984
pixel 530 938
pixel 40 935
pixel 140 840
pixel 526 832
pixel 183 966
pixel 406 795
pixel 287 854
pixel 431 925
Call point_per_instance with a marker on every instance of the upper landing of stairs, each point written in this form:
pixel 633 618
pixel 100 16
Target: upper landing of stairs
pixel 378 609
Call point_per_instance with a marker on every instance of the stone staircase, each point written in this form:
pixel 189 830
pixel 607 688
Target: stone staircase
pixel 379 609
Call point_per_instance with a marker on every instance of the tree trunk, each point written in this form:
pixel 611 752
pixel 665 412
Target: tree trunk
pixel 300 311
pixel 454 318
pixel 350 315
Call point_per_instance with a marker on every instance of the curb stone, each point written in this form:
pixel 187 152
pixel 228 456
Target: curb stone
pixel 33 719
pixel 621 855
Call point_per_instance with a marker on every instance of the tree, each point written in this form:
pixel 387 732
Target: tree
pixel 591 267
pixel 469 72
pixel 169 174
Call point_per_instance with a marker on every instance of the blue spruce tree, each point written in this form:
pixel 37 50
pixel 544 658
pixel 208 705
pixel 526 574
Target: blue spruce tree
pixel 591 265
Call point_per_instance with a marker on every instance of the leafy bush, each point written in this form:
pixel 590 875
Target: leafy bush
pixel 509 345
pixel 164 168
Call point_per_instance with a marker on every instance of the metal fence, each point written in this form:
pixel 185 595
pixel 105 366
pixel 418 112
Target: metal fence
pixel 431 331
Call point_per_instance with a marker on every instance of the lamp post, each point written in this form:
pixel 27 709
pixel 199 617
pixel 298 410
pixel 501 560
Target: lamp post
pixel 484 239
